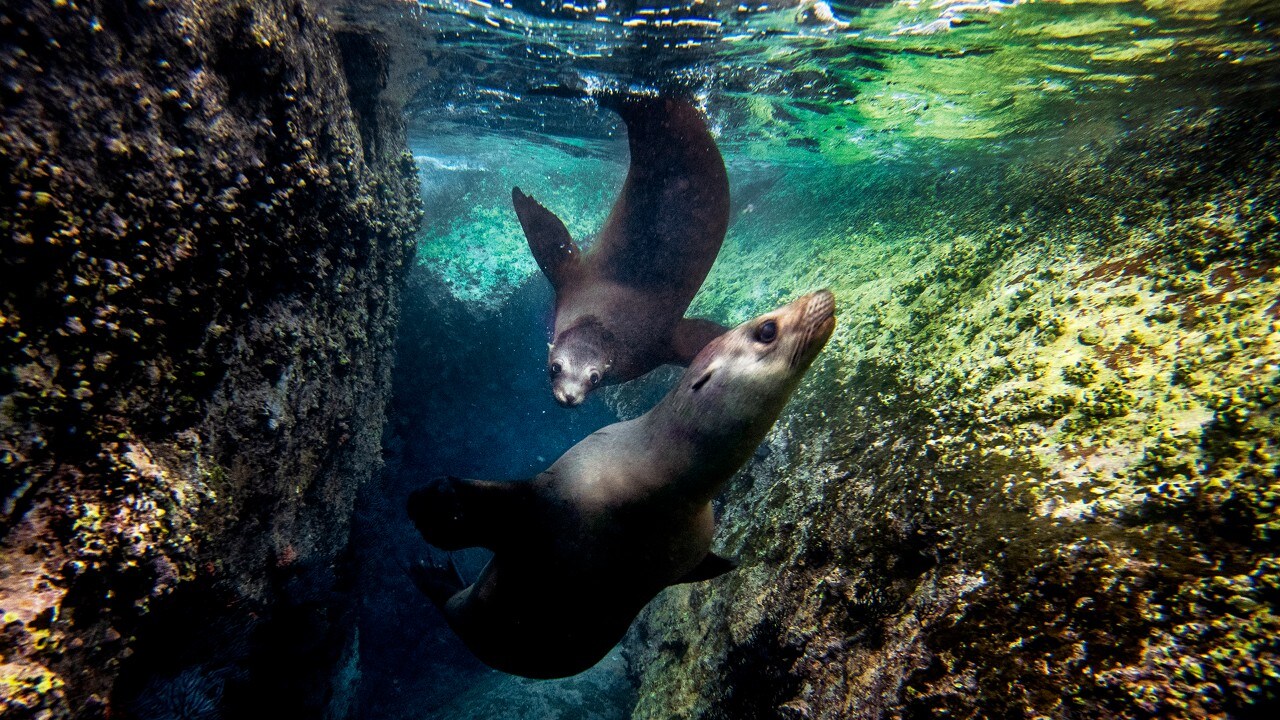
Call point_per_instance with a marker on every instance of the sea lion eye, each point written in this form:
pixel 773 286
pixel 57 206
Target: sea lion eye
pixel 595 378
pixel 767 332
pixel 555 368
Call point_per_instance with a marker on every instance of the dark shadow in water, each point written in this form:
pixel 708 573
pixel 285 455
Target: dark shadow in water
pixel 471 398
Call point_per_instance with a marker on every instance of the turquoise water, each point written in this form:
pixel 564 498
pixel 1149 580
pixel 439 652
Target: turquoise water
pixel 884 86
pixel 870 145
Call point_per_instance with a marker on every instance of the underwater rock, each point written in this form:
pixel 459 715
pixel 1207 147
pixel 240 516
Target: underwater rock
pixel 974 514
pixel 206 215
pixel 1090 336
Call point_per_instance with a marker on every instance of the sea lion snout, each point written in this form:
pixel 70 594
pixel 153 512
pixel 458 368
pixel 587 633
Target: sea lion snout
pixel 570 386
pixel 819 317
pixel 567 398
pixel 815 322
pixel 820 305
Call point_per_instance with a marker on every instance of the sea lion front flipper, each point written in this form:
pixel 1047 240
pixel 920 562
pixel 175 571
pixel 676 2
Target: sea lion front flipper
pixel 712 566
pixel 548 238
pixel 690 336
pixel 454 513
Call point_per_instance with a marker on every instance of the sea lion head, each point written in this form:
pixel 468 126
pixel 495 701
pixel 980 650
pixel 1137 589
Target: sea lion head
pixel 741 380
pixel 579 361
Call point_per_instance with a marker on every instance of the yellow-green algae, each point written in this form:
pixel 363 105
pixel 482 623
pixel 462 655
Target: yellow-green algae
pixel 139 528
pixel 479 249
pixel 1035 471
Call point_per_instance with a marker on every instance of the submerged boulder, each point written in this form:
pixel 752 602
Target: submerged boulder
pixel 971 511
pixel 206 213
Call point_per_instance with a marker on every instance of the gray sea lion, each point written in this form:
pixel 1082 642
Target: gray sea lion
pixel 620 305
pixel 582 547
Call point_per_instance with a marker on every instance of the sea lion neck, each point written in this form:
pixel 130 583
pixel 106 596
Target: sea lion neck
pixel 734 391
pixel 700 452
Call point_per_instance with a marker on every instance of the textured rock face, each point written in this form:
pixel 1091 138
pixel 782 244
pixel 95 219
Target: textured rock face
pixel 1035 473
pixel 205 215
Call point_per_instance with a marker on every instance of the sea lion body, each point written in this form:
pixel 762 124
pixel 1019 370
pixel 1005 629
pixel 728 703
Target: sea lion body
pixel 582 547
pixel 620 305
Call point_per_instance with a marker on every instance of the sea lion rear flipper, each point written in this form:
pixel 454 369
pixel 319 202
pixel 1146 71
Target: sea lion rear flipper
pixel 690 336
pixel 712 566
pixel 669 221
pixel 437 582
pixel 548 238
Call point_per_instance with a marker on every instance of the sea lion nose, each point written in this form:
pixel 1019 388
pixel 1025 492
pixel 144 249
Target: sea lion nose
pixel 567 399
pixel 822 302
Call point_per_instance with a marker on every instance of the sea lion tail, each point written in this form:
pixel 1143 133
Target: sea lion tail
pixel 613 96
pixel 549 239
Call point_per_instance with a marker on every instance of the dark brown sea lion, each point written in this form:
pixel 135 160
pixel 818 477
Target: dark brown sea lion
pixel 582 547
pixel 620 305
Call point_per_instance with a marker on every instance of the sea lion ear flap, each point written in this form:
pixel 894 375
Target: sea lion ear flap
pixel 712 566
pixel 548 238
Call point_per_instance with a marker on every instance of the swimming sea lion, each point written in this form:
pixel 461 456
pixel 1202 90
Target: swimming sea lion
pixel 582 547
pixel 620 305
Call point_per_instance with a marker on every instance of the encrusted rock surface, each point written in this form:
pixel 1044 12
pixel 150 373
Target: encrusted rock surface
pixel 1035 472
pixel 205 215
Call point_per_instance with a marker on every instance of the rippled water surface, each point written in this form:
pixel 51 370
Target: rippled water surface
pixel 847 80
pixel 806 84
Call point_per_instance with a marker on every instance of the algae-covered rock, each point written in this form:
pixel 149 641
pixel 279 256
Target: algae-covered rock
pixel 1035 472
pixel 206 212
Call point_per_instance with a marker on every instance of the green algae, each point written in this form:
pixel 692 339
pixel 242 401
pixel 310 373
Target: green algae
pixel 476 245
pixel 969 509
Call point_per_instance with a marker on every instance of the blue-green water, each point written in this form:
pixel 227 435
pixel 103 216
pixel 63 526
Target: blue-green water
pixel 860 137
pixel 991 82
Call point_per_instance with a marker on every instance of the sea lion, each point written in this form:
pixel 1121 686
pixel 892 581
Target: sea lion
pixel 619 310
pixel 583 546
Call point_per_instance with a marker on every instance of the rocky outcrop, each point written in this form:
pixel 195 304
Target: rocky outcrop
pixel 206 213
pixel 1035 472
